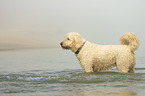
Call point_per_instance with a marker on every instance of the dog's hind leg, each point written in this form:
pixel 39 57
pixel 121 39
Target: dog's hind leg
pixel 126 64
pixel 122 65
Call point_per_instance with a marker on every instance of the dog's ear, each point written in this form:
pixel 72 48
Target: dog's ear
pixel 77 37
pixel 78 40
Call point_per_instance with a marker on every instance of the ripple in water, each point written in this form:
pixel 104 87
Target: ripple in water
pixel 68 81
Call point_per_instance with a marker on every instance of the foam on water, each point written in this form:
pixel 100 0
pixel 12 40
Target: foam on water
pixel 50 72
pixel 70 80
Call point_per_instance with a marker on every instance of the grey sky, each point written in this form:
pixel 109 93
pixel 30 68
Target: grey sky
pixel 45 22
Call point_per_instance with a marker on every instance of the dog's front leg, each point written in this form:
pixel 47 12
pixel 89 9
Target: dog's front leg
pixel 88 68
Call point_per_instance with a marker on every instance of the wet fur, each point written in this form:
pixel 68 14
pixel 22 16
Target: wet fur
pixel 99 58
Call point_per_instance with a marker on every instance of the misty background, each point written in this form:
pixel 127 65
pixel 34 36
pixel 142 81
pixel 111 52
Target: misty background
pixel 44 23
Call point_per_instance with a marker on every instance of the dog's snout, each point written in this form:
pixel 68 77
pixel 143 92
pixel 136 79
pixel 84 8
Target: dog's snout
pixel 61 43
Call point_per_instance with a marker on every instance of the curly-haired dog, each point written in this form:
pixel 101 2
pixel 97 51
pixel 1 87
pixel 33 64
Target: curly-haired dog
pixel 99 58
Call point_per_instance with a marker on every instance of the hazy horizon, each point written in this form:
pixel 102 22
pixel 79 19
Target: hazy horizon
pixel 44 23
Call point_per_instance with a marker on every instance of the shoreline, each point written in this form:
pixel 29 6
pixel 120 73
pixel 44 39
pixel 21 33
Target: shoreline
pixel 25 48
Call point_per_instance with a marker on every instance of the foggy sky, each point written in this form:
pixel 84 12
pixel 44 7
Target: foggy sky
pixel 45 22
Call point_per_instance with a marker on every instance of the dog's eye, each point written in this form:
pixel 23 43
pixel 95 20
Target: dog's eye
pixel 68 39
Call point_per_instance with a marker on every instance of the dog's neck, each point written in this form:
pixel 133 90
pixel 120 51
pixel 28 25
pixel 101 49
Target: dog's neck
pixel 79 49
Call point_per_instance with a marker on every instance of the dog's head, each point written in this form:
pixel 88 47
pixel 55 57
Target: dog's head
pixel 72 41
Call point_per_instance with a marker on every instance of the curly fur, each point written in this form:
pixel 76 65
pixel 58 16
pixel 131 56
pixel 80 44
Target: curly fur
pixel 99 58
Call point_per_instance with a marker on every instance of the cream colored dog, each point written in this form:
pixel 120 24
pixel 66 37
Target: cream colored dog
pixel 99 58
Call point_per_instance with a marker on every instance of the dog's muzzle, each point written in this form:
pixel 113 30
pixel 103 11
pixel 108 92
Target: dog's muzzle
pixel 64 47
pixel 61 44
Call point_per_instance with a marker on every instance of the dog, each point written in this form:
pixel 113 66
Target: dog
pixel 99 58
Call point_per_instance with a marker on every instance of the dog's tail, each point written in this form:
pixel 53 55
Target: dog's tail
pixel 131 40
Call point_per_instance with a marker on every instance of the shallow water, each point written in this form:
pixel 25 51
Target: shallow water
pixel 55 72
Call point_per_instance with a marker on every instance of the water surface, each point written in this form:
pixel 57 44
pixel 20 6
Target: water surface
pixel 55 72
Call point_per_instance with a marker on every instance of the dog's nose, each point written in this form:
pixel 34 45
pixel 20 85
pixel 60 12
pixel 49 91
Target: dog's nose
pixel 61 43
